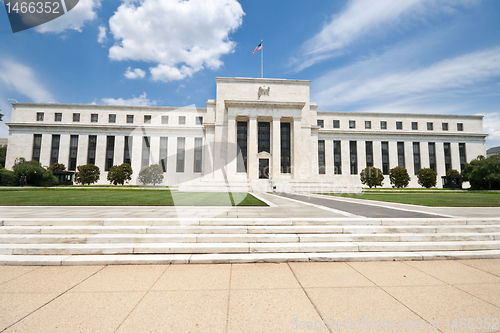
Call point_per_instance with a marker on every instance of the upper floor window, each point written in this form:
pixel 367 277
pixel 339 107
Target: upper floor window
pixel 336 124
pixel 76 117
pixel 164 119
pixel 414 125
pixel 460 127
pixel 58 116
pixel 199 120
pixel 130 119
pixel 320 123
pixel 147 119
pixel 430 126
pixel 383 125
pixel 112 118
pixel 352 123
pixel 368 124
pixel 39 116
pixel 445 126
pixel 182 120
pixel 399 125
pixel 94 117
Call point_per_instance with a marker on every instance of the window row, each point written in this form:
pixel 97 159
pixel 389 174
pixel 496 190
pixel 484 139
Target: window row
pixel 94 118
pixel 383 125
pixel 127 153
pixel 353 156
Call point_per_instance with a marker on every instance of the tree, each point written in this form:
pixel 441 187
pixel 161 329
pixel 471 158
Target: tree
pixel 399 177
pixel 87 174
pixel 1 115
pixel 3 153
pixel 483 173
pixel 452 172
pixel 57 167
pixel 152 174
pixel 119 174
pixel 427 177
pixel 34 172
pixel 372 176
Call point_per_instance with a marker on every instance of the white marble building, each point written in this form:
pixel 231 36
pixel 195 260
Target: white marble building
pixel 253 130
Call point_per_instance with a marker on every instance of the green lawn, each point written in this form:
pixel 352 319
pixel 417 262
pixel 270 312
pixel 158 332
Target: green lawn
pixel 122 197
pixel 438 199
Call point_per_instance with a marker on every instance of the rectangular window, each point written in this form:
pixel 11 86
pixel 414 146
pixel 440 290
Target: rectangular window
pixel 127 150
pixel 399 125
pixel 76 117
pixel 385 157
pixel 39 116
pixel 54 152
pixel 447 156
pixel 352 123
pixel 264 137
pixel 181 150
pixel 110 152
pixel 416 157
pixel 463 155
pixel 92 149
pixel 241 141
pixel 182 120
pixel 94 118
pixel 337 157
pixel 286 152
pixel 112 118
pixel 163 153
pixel 432 156
pixel 164 120
pixel 320 123
pixel 383 125
pixel 321 157
pixel 369 153
pixel 353 149
pixel 336 124
pixel 73 152
pixel 430 126
pixel 445 126
pixel 368 124
pixel 198 154
pixel 460 127
pixel 147 119
pixel 146 150
pixel 401 155
pixel 130 119
pixel 37 145
pixel 414 126
pixel 199 120
pixel 58 116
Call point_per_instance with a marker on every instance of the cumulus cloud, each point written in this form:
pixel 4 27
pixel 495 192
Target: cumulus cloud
pixel 491 123
pixel 181 37
pixel 75 19
pixel 134 74
pixel 361 18
pixel 101 37
pixel 18 77
pixel 142 100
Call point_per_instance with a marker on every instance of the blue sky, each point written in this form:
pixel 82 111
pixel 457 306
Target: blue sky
pixel 412 56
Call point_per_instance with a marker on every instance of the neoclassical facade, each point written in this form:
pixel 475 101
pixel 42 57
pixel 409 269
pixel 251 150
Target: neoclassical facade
pixel 255 134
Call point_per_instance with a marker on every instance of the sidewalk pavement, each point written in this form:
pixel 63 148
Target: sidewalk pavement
pixel 453 296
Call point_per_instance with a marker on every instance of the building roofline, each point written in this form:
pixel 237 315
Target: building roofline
pixel 409 115
pixel 101 107
pixel 259 80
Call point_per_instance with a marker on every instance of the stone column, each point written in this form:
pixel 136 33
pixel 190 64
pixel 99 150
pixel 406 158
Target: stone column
pixel 83 149
pixel 119 149
pixel 253 163
pixel 296 151
pixel 346 157
pixel 64 150
pixel 276 149
pixel 45 150
pixel 455 156
pixel 377 154
pixel 409 160
pixel 424 155
pixel 231 146
pixel 329 160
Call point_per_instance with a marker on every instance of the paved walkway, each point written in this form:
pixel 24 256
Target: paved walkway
pixel 295 297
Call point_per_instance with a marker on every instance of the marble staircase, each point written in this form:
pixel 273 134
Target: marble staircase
pixel 226 240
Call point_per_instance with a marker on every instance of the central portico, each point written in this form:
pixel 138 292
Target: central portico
pixel 267 125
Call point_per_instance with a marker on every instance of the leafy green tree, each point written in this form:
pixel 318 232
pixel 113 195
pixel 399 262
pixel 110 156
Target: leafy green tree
pixel 372 177
pixel 152 174
pixel 1 115
pixel 34 172
pixel 452 172
pixel 3 154
pixel 8 178
pixel 119 174
pixel 427 177
pixel 399 177
pixel 87 174
pixel 483 173
pixel 57 167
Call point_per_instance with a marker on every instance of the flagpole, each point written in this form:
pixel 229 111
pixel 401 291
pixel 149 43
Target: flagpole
pixel 262 59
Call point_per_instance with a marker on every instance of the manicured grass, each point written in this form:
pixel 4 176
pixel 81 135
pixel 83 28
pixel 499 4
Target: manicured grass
pixel 451 199
pixel 122 197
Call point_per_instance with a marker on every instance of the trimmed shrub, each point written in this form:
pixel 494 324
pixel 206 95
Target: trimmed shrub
pixel 399 177
pixel 57 167
pixel 427 177
pixel 152 174
pixel 372 177
pixel 8 178
pixel 87 174
pixel 119 174
pixel 452 172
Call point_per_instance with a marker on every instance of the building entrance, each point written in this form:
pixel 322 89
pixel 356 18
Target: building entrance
pixel 264 168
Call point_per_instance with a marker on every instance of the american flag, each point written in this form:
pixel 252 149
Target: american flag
pixel 259 47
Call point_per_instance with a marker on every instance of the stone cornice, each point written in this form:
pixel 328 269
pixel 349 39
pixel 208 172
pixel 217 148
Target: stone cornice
pixel 386 134
pixel 103 107
pixel 261 81
pixel 269 104
pixel 396 115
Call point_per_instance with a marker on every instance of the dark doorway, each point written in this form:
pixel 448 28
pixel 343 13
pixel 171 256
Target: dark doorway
pixel 264 168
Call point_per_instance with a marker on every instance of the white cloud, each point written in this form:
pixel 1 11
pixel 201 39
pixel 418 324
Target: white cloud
pixel 142 100
pixel 181 37
pixel 491 123
pixel 136 73
pixel 20 78
pixel 365 82
pixel 363 18
pixel 75 19
pixel 102 34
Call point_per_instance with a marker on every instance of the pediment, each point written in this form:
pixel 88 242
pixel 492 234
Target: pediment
pixel 264 154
